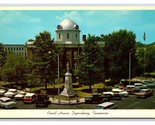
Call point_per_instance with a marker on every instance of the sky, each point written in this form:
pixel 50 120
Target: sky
pixel 18 26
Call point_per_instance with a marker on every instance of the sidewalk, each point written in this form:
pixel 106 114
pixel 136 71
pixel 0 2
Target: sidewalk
pixel 66 102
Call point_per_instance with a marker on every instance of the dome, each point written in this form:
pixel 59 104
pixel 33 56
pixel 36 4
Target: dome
pixel 68 24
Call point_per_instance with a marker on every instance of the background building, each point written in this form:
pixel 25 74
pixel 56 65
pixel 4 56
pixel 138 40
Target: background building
pixel 18 49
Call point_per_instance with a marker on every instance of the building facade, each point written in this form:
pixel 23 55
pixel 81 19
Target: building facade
pixel 18 49
pixel 67 38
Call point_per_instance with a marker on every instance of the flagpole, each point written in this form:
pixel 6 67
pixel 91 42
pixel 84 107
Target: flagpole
pixel 144 38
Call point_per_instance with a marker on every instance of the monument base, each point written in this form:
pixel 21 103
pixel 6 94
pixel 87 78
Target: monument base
pixel 68 93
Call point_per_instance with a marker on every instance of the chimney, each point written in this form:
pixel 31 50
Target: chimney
pixel 84 38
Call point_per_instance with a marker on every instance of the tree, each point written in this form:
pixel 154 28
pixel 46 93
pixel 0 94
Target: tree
pixel 90 68
pixel 150 59
pixel 14 69
pixel 117 47
pixel 44 63
pixel 2 55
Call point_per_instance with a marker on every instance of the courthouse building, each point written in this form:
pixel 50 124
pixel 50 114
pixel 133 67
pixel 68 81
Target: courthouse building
pixel 67 37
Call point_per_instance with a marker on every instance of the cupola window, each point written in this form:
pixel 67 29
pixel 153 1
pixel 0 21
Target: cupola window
pixel 59 36
pixel 67 35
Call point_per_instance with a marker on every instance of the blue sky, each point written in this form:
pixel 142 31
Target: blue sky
pixel 16 27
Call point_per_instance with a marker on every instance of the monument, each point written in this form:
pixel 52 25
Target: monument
pixel 68 88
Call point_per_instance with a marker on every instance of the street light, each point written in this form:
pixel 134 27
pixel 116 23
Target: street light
pixel 130 66
pixel 144 60
pixel 58 80
pixel 130 53
pixel 58 76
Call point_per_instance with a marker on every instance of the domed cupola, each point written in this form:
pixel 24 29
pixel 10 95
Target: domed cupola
pixel 67 24
pixel 67 31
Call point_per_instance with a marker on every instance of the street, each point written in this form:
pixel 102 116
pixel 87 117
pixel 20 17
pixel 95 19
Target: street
pixel 130 102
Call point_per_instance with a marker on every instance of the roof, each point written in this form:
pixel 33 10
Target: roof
pixel 5 98
pixel 116 89
pixel 108 93
pixel 105 104
pixel 67 24
pixel 30 94
pixel 130 86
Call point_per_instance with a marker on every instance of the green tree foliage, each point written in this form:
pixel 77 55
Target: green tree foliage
pixel 117 47
pixel 150 59
pixel 146 58
pixel 2 55
pixel 90 67
pixel 14 68
pixel 42 68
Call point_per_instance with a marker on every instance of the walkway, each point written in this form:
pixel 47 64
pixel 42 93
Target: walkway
pixel 66 102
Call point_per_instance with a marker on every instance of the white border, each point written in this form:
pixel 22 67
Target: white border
pixel 83 2
pixel 76 114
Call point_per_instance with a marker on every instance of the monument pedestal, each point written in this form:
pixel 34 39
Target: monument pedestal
pixel 68 88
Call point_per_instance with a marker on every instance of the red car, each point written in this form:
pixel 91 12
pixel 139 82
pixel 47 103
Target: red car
pixel 130 89
pixel 30 98
pixel 144 93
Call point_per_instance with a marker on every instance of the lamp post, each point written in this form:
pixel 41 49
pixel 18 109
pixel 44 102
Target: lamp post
pixel 58 76
pixel 144 60
pixel 58 80
pixel 130 67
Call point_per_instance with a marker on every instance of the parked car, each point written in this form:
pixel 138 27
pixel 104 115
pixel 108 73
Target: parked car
pixel 20 95
pixel 121 86
pixel 30 98
pixel 2 91
pixel 144 93
pixel 95 98
pixel 116 96
pixel 121 92
pixel 139 86
pixel 108 95
pixel 149 84
pixel 106 105
pixel 7 103
pixel 42 100
pixel 130 89
pixel 112 96
pixel 10 93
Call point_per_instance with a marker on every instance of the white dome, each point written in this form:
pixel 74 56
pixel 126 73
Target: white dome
pixel 68 24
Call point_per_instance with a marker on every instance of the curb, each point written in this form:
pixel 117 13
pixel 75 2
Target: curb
pixel 64 102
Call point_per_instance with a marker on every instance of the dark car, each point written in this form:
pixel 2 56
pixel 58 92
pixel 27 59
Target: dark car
pixel 42 101
pixel 116 97
pixel 95 98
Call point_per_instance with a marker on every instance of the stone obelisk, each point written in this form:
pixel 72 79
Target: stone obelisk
pixel 68 88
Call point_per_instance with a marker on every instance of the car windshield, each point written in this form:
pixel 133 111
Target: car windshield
pixel 142 90
pixel 7 100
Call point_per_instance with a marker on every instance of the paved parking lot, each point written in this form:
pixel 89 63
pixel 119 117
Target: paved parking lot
pixel 130 102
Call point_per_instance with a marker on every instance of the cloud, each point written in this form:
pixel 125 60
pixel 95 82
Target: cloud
pixel 8 17
pixel 75 15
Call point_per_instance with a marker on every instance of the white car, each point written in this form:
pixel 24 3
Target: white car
pixel 20 95
pixel 10 93
pixel 6 102
pixel 2 91
pixel 106 105
pixel 121 92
